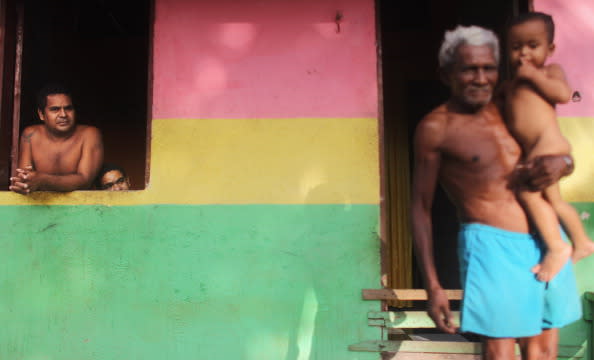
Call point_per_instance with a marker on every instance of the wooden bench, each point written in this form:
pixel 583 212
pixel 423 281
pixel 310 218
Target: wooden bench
pixel 408 347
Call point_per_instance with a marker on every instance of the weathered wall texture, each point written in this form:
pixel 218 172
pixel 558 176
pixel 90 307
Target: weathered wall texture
pixel 258 228
pixel 574 37
pixel 186 282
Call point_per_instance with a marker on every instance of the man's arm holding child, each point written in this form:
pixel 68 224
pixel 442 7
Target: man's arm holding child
pixel 543 171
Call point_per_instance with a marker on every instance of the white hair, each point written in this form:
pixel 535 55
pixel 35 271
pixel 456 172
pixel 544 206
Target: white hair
pixel 466 35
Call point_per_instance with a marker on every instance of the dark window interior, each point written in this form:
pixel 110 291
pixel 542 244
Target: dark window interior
pixel 100 50
pixel 411 33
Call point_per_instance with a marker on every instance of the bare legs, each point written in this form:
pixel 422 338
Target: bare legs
pixel 544 217
pixel 582 244
pixel 499 349
pixel 539 347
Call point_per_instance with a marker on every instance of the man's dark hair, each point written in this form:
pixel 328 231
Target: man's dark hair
pixel 535 15
pixel 107 167
pixel 51 89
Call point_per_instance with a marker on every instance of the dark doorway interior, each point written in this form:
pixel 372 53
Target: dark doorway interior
pixel 411 33
pixel 99 49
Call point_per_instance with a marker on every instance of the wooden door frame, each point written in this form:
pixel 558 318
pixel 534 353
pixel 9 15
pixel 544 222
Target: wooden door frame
pixel 11 46
pixel 16 100
pixel 385 205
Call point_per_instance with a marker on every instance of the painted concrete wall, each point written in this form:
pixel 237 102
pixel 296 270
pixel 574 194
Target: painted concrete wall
pixel 259 226
pixel 574 51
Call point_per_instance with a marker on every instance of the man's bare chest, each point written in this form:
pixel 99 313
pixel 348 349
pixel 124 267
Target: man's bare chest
pixel 480 145
pixel 56 158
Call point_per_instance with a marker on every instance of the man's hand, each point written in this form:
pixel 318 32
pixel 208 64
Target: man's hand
pixel 438 308
pixel 24 183
pixel 543 171
pixel 18 186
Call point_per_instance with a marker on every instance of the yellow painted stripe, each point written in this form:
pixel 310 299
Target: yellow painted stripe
pixel 248 161
pixel 580 133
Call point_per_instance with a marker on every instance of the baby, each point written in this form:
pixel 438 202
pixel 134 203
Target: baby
pixel 534 90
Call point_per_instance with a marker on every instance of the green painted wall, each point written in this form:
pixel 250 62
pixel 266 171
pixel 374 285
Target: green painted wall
pixel 578 333
pixel 187 282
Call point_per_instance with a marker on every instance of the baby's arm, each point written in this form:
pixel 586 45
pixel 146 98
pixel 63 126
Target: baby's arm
pixel 550 81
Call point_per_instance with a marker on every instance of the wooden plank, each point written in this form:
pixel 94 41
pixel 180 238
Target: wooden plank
pixel 405 319
pixel 571 352
pixel 405 294
pixel 447 347
pixel 442 347
pixel 376 322
pixel 426 356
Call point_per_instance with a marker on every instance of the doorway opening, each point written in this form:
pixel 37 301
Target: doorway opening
pixel 410 34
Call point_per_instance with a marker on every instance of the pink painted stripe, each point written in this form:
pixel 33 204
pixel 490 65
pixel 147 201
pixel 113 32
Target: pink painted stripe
pixel 574 38
pixel 264 58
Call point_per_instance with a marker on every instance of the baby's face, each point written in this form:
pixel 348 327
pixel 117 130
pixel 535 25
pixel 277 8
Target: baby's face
pixel 529 42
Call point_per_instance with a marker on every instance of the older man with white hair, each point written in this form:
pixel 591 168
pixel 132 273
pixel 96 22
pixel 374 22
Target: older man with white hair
pixel 465 146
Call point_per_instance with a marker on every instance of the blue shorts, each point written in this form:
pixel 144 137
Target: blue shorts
pixel 502 297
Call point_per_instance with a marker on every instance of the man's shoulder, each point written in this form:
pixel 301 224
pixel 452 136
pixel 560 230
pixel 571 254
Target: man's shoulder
pixel 33 128
pixel 432 127
pixel 439 114
pixel 88 131
pixel 446 123
pixel 86 128
pixel 33 132
pixel 436 119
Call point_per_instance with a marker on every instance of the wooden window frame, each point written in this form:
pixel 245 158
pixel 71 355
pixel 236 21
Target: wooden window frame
pixel 12 17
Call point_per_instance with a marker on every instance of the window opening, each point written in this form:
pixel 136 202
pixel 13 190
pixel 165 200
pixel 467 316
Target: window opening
pixel 97 48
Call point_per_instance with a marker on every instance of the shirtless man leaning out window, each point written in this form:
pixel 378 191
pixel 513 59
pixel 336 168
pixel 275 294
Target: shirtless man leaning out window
pixel 58 155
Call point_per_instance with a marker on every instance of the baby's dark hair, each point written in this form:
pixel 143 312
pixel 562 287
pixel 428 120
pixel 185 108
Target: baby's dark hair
pixel 107 167
pixel 535 15
pixel 51 89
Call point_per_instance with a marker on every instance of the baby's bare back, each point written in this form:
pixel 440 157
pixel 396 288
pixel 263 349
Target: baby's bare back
pixel 533 122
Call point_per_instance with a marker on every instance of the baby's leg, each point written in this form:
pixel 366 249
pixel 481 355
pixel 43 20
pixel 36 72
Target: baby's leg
pixel 547 224
pixel 582 244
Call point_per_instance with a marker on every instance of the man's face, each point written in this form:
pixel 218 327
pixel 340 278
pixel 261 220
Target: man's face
pixel 58 114
pixel 114 180
pixel 473 76
pixel 529 42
